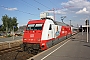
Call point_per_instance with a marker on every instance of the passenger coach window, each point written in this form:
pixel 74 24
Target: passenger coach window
pixel 50 27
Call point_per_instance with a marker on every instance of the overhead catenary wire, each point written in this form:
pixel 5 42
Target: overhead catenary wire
pixel 24 4
pixel 30 5
pixel 52 3
pixel 19 11
pixel 42 4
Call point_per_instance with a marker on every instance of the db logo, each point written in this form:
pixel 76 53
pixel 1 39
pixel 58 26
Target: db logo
pixel 31 35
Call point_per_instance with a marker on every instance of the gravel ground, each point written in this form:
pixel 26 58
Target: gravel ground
pixel 15 55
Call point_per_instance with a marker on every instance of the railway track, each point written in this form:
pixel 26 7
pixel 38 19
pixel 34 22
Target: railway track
pixel 15 53
pixel 9 50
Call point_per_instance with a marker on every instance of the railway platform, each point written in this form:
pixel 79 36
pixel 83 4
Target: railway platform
pixel 74 48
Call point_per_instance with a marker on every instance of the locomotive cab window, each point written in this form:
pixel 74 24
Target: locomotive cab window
pixel 50 27
pixel 38 27
pixel 34 27
pixel 30 26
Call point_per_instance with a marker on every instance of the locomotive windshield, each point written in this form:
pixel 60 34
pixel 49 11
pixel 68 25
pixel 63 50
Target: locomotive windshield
pixel 34 27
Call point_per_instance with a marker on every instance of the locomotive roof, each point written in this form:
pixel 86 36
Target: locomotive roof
pixel 61 23
pixel 57 22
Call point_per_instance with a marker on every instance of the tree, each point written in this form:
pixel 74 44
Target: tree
pixel 14 23
pixel 5 21
pixel 9 22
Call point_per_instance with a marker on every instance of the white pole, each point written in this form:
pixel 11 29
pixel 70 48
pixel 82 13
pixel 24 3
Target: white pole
pixel 13 32
pixel 87 33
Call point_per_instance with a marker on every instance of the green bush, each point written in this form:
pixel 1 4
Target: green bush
pixel 8 35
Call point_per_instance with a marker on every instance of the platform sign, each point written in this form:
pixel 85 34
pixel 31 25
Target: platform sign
pixel 87 22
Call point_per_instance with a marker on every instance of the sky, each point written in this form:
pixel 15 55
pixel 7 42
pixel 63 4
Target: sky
pixel 25 10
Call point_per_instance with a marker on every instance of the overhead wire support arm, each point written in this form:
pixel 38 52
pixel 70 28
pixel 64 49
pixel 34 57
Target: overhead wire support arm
pixel 62 18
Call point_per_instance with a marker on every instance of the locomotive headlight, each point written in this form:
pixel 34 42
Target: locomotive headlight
pixel 43 43
pixel 24 39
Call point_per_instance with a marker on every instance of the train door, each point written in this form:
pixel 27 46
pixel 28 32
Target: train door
pixel 53 30
pixel 50 32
